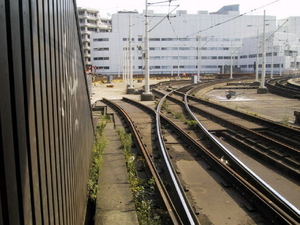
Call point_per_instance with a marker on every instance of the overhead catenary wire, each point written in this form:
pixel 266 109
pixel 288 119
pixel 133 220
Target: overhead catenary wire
pixel 236 17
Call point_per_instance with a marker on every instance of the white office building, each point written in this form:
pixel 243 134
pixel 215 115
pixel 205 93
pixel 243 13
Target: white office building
pixel 181 43
pixel 90 22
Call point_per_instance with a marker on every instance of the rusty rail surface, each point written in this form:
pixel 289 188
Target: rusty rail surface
pixel 159 183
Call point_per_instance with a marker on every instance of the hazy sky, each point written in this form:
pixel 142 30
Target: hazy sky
pixel 279 8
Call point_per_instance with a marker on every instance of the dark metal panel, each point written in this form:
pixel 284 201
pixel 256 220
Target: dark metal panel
pixel 8 175
pixel 59 38
pixel 38 50
pixel 56 97
pixel 19 110
pixel 30 36
pixel 45 74
pixel 45 118
pixel 51 119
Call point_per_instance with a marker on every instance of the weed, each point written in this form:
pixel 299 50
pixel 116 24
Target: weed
pixel 285 120
pixel 99 146
pixel 141 190
pixel 193 124
pixel 178 115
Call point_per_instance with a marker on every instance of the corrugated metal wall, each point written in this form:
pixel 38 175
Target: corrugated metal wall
pixel 46 128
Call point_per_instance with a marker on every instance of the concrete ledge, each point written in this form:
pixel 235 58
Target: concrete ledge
pixel 130 90
pixel 262 90
pixel 147 97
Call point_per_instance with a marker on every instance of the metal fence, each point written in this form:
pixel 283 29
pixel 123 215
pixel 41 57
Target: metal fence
pixel 46 128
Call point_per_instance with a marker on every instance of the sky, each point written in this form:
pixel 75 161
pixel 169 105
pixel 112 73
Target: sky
pixel 279 8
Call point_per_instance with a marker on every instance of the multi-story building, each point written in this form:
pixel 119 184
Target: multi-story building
pixel 90 22
pixel 182 43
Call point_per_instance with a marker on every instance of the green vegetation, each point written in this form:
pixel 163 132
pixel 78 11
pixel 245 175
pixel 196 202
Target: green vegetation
pixel 193 124
pixel 142 190
pixel 99 146
pixel 178 115
pixel 253 114
pixel 285 120
pixel 165 106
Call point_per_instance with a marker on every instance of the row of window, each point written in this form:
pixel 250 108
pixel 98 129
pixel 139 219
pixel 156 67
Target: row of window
pixel 101 49
pixel 176 39
pixel 81 13
pixel 185 57
pixel 186 39
pixel 172 57
pixel 192 67
pixel 268 54
pixel 182 48
pixel 100 39
pixel 260 66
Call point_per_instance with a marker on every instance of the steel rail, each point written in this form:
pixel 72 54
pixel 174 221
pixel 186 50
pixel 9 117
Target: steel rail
pixel 190 217
pixel 159 183
pixel 272 211
pixel 260 120
pixel 187 209
pixel 292 210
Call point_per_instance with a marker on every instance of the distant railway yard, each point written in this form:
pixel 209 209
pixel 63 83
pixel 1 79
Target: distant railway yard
pixel 215 158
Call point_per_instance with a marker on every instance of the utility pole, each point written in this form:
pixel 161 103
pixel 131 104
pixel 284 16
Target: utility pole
pixel 256 82
pixel 272 59
pixel 199 58
pixel 262 89
pixel 147 95
pixel 130 89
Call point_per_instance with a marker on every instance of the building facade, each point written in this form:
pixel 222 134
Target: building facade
pixel 90 22
pixel 188 43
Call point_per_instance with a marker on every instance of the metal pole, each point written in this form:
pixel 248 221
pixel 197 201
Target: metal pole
pixel 231 65
pixel 178 72
pixel 272 59
pixel 199 58
pixel 257 59
pixel 147 72
pixel 280 67
pixel 130 55
pixel 262 84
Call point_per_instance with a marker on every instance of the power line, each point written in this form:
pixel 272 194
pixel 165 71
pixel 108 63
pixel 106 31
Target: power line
pixel 226 21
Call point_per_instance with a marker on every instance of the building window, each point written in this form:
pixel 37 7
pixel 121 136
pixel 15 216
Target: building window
pixel 101 49
pixel 155 57
pixel 154 67
pixel 92 29
pixel 154 39
pixel 101 58
pixel 154 48
pixel 103 67
pixel 100 39
pixel 127 39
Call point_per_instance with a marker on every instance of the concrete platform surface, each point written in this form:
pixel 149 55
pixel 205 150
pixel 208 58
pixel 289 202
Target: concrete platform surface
pixel 114 199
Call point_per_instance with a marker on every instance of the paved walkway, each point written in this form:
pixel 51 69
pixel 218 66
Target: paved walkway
pixel 114 201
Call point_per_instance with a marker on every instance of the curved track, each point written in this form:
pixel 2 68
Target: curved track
pixel 259 195
pixel 282 86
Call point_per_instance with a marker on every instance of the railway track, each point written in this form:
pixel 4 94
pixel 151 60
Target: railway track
pixel 251 134
pixel 260 196
pixel 281 86
pixel 174 202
